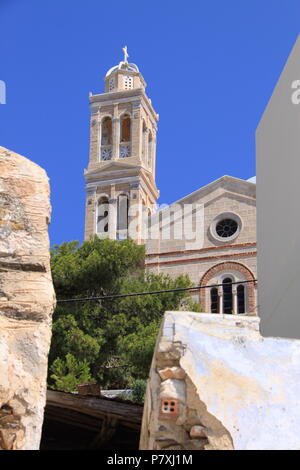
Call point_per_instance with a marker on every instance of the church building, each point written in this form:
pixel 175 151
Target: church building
pixel 121 202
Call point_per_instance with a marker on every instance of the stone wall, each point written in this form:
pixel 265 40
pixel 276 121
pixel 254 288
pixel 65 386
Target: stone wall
pixel 26 300
pixel 216 384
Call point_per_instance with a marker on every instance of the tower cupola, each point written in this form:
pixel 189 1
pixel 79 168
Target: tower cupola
pixel 125 76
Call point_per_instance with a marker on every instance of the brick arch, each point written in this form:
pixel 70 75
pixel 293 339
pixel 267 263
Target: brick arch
pixel 231 266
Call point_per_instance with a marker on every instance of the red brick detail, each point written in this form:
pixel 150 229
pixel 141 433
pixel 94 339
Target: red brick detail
pixel 203 258
pixel 228 266
pixel 203 250
pixel 169 408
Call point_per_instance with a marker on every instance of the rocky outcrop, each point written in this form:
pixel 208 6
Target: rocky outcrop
pixel 26 300
pixel 216 384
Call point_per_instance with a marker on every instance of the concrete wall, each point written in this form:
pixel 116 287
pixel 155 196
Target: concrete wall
pixel 278 194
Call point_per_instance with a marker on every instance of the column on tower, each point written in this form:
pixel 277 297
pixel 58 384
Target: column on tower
pixel 116 133
pixel 153 167
pixel 145 137
pixel 221 299
pixel 112 214
pixel 136 128
pixel 235 299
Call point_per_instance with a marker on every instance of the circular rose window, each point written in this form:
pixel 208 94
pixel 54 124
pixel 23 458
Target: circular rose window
pixel 226 227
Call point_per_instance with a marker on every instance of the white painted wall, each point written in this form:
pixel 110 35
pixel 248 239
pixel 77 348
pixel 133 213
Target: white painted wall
pixel 250 383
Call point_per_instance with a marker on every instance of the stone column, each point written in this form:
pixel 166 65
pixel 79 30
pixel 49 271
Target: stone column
pixel 235 300
pixel 94 137
pixel 98 120
pixel 136 125
pixel 145 146
pixel 90 214
pixel 134 211
pixel 153 168
pixel 112 219
pixel 116 134
pixel 220 294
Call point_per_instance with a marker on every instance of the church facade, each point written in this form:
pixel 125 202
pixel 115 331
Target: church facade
pixel 209 235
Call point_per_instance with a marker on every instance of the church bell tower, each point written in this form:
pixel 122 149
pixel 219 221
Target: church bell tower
pixel 120 178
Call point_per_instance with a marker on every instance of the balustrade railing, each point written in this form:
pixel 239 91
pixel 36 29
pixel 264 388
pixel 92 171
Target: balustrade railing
pixel 106 152
pixel 125 150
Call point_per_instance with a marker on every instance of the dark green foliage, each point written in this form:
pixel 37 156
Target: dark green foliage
pixel 137 394
pixel 111 341
pixel 138 390
pixel 67 373
pixel 138 347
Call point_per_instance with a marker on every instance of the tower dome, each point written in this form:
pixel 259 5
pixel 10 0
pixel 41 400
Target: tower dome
pixel 124 76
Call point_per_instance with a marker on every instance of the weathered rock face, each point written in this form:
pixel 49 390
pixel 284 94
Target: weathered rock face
pixel 235 390
pixel 26 300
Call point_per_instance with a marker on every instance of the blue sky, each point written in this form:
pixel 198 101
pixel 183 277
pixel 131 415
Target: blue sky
pixel 210 67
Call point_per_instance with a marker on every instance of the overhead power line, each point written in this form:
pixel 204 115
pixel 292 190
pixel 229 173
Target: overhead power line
pixel 122 296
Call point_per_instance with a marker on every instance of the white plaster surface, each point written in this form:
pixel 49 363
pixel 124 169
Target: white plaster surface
pixel 173 388
pixel 250 383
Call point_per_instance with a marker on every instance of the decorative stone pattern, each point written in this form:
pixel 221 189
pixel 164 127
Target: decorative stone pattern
pixel 231 402
pixel 124 151
pixel 26 300
pixel 106 153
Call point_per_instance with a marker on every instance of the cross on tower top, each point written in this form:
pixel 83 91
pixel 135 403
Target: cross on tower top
pixel 126 55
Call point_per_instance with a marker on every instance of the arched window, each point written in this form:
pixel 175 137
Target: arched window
pixel 102 215
pixel 106 139
pixel 227 295
pixel 125 136
pixel 241 299
pixel 106 131
pixel 122 217
pixel 214 300
pixel 230 300
pixel 237 293
pixel 125 128
pixel 150 150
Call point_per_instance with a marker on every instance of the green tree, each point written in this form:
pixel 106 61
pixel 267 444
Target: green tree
pixel 137 349
pixel 115 337
pixel 69 372
pixel 137 394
